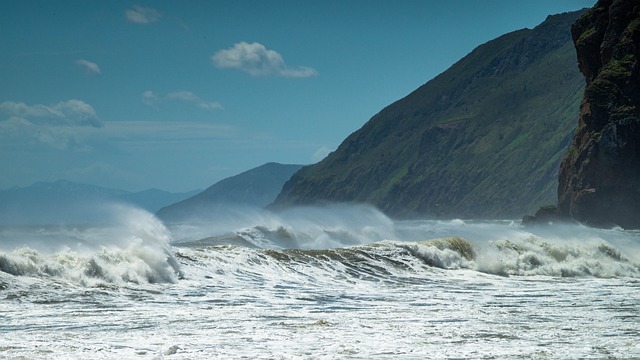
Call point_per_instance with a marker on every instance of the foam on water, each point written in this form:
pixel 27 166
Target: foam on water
pixel 305 227
pixel 333 282
pixel 133 248
pixel 497 247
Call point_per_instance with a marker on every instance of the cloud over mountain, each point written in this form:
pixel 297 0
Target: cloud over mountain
pixel 256 60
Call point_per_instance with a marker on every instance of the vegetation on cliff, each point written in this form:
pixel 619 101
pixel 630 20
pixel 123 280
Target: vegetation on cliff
pixel 483 139
pixel 599 181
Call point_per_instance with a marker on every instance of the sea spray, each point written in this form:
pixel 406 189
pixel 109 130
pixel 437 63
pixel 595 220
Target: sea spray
pixel 493 247
pixel 411 289
pixel 133 248
pixel 312 227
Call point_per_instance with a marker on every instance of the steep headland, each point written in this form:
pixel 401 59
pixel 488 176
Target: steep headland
pixel 483 139
pixel 599 182
pixel 256 187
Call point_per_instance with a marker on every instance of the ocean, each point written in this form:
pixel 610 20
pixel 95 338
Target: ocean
pixel 334 282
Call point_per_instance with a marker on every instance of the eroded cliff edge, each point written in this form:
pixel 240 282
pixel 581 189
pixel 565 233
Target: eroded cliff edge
pixel 599 180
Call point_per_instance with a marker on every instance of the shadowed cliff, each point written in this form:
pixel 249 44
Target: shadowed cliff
pixel 599 180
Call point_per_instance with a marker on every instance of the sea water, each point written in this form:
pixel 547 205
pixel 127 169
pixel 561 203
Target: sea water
pixel 334 282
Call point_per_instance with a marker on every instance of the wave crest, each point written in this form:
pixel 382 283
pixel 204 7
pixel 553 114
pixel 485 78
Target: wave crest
pixel 135 249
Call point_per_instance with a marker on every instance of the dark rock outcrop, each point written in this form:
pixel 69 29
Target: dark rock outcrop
pixel 599 182
pixel 546 215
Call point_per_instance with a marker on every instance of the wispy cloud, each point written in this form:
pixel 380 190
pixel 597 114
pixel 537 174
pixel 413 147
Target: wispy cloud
pixel 320 154
pixel 142 15
pixel 70 112
pixel 150 98
pixel 56 126
pixel 256 60
pixel 91 68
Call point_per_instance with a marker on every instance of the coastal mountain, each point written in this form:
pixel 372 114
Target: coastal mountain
pixel 68 202
pixel 255 188
pixel 599 181
pixel 484 139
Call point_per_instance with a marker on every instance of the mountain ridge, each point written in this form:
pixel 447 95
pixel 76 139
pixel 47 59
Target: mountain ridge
pixel 255 187
pixel 426 154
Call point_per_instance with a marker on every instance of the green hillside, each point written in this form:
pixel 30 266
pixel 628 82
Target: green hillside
pixel 483 139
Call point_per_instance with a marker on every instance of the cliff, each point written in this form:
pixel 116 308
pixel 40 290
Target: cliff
pixel 484 139
pixel 599 181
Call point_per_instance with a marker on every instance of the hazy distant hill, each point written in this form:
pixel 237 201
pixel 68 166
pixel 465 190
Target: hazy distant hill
pixel 483 139
pixel 67 202
pixel 256 187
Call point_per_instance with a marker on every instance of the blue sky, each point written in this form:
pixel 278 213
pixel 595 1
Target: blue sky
pixel 177 95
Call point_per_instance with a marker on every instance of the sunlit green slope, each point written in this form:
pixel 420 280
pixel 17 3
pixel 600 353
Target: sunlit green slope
pixel 483 139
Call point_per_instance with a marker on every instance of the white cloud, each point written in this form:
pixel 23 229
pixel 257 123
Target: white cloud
pixel 71 113
pixel 151 99
pixel 90 67
pixel 183 95
pixel 20 133
pixel 57 126
pixel 142 15
pixel 321 153
pixel 256 60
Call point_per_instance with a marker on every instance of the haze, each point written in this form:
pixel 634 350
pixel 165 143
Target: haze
pixel 178 95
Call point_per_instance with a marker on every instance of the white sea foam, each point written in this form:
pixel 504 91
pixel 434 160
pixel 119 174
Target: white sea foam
pixel 318 227
pixel 340 284
pixel 134 247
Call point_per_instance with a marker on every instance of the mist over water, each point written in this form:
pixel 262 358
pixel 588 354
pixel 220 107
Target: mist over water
pixel 338 281
pixel 128 245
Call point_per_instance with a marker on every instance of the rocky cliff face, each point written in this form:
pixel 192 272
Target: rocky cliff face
pixel 599 182
pixel 484 139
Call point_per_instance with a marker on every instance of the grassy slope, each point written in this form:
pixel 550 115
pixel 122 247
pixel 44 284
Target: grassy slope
pixel 483 139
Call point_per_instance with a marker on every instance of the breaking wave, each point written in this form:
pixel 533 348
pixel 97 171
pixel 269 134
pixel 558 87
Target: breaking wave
pixel 362 239
pixel 378 260
pixel 133 248
pixel 314 245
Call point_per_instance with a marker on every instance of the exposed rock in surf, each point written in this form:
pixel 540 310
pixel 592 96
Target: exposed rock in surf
pixel 599 182
pixel 546 215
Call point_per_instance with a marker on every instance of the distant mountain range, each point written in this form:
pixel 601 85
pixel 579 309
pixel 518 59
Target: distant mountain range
pixel 67 202
pixel 484 139
pixel 253 188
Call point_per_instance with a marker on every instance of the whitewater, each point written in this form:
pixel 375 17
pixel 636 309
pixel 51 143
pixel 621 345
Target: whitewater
pixel 316 283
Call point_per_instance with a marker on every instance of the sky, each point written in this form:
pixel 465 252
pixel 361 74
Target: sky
pixel 177 95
